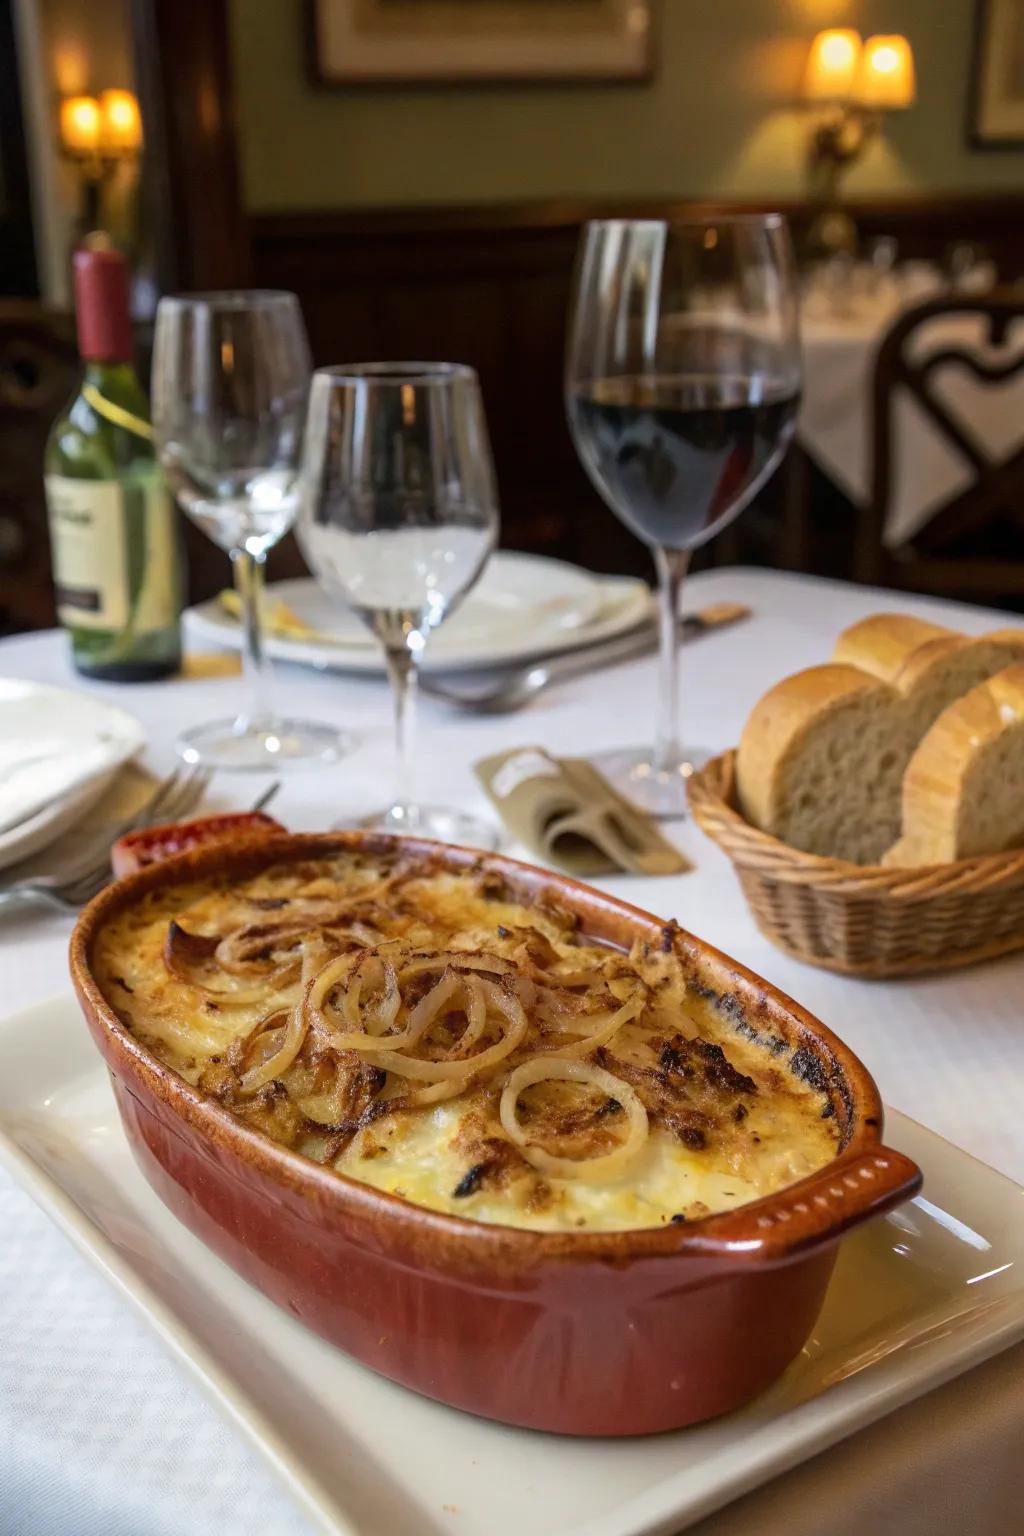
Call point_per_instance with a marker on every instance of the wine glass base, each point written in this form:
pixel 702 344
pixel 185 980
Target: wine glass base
pixel 660 792
pixel 235 746
pixel 441 822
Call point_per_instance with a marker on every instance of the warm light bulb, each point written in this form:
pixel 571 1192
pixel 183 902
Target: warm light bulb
pixel 832 64
pixel 121 124
pixel 80 124
pixel 885 79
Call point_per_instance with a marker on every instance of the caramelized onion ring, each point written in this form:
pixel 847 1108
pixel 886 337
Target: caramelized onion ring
pixel 183 951
pixel 545 1069
pixel 291 1045
pixel 612 1023
pixel 467 1066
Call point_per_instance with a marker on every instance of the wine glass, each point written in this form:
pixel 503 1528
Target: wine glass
pixel 230 379
pixel 682 385
pixel 398 515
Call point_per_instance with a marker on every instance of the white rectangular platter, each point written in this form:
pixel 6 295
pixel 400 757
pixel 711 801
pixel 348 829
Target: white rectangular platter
pixel 917 1298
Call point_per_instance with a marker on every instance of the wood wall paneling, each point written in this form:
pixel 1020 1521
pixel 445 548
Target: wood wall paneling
pixel 191 182
pixel 490 286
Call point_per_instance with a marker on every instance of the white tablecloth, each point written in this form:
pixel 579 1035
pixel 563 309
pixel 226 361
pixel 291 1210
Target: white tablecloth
pixel 101 1433
pixel 835 416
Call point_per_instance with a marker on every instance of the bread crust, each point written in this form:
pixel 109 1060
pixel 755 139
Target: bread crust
pixel 937 786
pixel 882 643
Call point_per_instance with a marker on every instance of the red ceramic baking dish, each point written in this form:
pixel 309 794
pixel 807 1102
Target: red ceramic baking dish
pixel 613 1333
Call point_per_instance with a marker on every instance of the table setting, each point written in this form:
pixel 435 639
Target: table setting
pixel 165 1366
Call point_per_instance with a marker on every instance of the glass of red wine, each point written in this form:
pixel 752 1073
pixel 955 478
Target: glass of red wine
pixel 682 383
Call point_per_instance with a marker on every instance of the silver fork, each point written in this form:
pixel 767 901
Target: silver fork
pixel 176 797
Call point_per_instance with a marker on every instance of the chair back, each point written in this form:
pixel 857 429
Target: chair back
pixel 966 544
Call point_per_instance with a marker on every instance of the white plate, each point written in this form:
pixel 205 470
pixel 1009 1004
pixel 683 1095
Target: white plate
pixel 917 1298
pixel 58 752
pixel 522 606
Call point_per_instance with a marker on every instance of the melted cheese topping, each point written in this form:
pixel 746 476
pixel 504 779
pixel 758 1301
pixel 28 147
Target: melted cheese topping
pixel 731 1117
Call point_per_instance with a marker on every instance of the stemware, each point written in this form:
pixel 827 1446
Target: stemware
pixel 398 515
pixel 682 385
pixel 230 379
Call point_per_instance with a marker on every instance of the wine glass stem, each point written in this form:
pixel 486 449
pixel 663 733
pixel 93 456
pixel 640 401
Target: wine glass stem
pixel 248 569
pixel 401 665
pixel 671 565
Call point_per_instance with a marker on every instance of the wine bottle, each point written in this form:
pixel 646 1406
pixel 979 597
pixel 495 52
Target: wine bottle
pixel 114 532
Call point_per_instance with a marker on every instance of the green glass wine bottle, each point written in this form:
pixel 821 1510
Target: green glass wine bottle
pixel 114 533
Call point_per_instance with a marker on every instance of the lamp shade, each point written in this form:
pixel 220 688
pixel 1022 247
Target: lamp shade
pixel 120 122
pixel 80 125
pixel 832 65
pixel 885 78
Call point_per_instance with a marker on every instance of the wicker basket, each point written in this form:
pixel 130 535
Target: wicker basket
pixel 864 920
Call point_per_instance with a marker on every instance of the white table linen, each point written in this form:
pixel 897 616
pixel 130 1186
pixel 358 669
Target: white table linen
pixel 100 1432
pixel 835 415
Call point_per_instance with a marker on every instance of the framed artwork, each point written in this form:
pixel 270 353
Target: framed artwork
pixel 465 42
pixel 996 114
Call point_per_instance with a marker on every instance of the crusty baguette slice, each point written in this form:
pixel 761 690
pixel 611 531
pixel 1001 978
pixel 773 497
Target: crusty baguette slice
pixel 925 662
pixel 963 791
pixel 943 670
pixel 822 757
pixel 821 761
pixel 882 643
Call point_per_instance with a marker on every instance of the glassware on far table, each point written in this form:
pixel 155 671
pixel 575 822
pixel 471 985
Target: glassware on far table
pixel 682 382
pixel 230 378
pixel 398 516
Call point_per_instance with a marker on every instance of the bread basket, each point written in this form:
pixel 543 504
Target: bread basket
pixel 863 920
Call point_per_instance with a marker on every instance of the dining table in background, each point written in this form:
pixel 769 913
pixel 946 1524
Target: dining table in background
pixel 103 1432
pixel 841 335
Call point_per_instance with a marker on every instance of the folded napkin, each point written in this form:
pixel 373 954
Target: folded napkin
pixel 565 810
pixel 124 796
pixel 35 773
pixel 54 744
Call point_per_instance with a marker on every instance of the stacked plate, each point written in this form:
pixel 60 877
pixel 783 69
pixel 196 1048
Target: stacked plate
pixel 58 753
pixel 522 606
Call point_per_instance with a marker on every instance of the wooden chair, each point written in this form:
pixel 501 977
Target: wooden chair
pixel 973 544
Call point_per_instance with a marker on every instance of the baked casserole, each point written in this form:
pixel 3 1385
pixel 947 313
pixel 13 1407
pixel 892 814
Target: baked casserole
pixel 432 1033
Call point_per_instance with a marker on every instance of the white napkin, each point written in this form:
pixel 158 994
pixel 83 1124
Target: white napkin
pixel 53 743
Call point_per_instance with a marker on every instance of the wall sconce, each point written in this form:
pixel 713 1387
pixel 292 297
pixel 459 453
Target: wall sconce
pixel 856 83
pixel 97 135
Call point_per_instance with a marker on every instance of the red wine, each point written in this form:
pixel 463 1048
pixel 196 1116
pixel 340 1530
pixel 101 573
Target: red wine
pixel 677 457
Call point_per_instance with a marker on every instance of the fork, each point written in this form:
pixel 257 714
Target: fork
pixel 518 686
pixel 176 796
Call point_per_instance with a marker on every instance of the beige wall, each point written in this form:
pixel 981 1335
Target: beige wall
pixel 66 48
pixel 718 119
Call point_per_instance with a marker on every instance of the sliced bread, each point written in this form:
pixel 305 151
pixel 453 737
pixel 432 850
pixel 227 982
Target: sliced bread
pixel 822 757
pixel 963 791
pixel 881 643
pixel 821 761
pixel 930 666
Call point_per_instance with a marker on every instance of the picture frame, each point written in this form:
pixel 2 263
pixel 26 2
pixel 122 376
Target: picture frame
pixel 396 43
pixel 996 101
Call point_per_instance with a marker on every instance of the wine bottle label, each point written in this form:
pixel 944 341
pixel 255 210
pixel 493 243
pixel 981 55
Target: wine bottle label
pixel 115 562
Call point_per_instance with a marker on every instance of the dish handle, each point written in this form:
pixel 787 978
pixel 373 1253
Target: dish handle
pixel 818 1209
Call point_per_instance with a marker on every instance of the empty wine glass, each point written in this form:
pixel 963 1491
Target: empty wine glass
pixel 682 384
pixel 230 379
pixel 398 516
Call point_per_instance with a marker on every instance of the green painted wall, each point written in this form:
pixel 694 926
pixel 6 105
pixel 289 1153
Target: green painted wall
pixel 718 119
